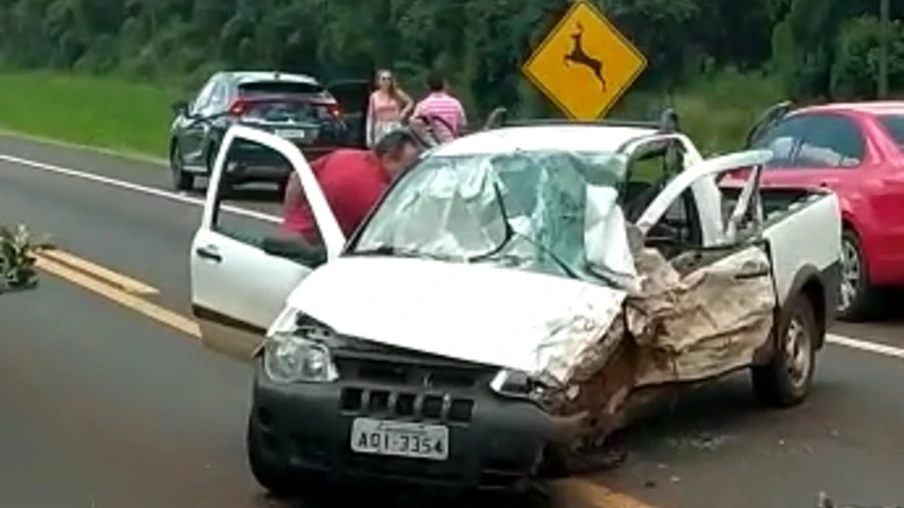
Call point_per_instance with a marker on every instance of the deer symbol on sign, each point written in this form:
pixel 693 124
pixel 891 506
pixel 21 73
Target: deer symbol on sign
pixel 580 57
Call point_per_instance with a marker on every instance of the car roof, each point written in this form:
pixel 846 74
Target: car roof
pixel 578 138
pixel 865 107
pixel 240 77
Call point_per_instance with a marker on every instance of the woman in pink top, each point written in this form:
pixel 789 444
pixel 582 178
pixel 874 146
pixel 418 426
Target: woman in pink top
pixel 389 106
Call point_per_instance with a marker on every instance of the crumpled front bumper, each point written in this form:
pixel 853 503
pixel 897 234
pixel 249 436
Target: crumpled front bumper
pixel 306 429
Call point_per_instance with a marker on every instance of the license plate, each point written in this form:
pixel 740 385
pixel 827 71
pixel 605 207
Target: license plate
pixel 291 133
pixel 400 439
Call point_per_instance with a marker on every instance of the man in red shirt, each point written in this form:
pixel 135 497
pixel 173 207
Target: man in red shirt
pixel 352 181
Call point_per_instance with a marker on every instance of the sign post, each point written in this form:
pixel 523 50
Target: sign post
pixel 584 65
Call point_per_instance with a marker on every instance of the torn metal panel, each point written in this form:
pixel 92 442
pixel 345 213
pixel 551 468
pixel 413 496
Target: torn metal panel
pixel 574 339
pixel 700 316
pixel 702 324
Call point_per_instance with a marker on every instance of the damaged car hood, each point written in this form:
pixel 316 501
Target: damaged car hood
pixel 531 322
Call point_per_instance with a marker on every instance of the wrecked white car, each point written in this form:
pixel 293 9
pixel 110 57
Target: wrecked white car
pixel 512 296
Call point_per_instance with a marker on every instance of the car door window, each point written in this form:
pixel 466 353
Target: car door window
pixel 783 140
pixel 678 229
pixel 831 141
pixel 240 154
pixel 894 124
pixel 650 168
pixel 217 101
pixel 204 97
pixel 742 219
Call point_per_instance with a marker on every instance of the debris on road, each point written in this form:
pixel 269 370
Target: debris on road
pixel 17 259
pixel 826 502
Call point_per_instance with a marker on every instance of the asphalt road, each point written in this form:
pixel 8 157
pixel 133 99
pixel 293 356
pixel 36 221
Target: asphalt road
pixel 104 407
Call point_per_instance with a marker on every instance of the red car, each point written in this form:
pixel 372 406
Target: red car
pixel 856 150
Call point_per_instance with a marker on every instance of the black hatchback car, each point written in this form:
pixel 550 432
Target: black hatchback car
pixel 295 106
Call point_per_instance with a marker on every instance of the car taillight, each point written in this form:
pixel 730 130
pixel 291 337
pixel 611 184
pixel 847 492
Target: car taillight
pixel 335 110
pixel 238 107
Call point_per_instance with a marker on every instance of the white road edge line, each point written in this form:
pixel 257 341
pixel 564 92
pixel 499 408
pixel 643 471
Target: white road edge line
pixel 134 187
pixel 863 345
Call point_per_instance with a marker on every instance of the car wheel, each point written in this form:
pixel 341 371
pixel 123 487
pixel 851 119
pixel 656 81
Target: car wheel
pixel 182 180
pixel 855 296
pixel 786 380
pixel 271 475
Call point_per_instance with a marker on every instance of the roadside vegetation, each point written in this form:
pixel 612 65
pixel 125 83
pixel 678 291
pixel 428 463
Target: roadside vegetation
pixel 105 72
pixel 104 112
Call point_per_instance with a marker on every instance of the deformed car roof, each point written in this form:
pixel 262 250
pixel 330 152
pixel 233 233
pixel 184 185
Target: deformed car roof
pixel 577 138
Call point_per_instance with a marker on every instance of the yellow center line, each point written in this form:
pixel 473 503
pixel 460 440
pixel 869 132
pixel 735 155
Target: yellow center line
pixel 571 493
pixel 128 284
pixel 153 311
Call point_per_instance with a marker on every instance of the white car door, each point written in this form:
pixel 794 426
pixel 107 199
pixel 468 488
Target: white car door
pixel 726 299
pixel 242 266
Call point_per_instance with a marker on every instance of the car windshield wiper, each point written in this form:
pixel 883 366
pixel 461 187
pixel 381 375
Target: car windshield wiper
pixel 379 250
pixel 394 251
pixel 497 253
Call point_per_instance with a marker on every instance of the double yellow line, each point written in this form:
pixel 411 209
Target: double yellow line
pixel 133 294
pixel 113 286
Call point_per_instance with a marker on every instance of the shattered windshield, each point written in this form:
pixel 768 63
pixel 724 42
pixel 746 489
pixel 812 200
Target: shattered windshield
pixel 527 210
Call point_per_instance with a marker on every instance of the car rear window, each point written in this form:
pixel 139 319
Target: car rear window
pixel 895 126
pixel 286 111
pixel 278 88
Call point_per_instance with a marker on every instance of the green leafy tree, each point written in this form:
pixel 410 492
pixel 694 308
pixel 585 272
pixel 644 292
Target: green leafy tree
pixel 855 71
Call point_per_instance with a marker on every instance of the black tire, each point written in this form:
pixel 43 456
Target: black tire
pixel 787 379
pixel 181 179
pixel 275 477
pixel 856 295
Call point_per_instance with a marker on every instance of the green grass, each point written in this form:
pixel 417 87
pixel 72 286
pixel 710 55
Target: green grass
pixel 115 114
pixel 716 111
pixel 104 113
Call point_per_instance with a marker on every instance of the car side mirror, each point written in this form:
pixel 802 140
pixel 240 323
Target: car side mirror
pixel 295 249
pixel 180 107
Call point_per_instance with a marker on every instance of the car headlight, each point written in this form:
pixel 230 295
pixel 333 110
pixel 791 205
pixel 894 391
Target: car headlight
pixel 517 384
pixel 292 358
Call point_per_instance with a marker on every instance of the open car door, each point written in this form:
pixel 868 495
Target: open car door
pixel 242 267
pixel 353 96
pixel 722 291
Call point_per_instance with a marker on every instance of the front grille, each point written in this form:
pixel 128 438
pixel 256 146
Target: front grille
pixel 440 377
pixel 406 405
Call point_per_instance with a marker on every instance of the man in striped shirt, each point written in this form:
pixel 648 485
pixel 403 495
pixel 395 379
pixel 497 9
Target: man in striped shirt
pixel 442 104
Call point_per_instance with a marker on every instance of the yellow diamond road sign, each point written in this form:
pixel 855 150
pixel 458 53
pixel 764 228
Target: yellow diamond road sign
pixel 584 64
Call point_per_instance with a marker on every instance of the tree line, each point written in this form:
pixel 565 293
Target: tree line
pixel 816 48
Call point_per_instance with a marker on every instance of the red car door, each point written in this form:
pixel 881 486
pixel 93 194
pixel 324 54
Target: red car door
pixel 886 192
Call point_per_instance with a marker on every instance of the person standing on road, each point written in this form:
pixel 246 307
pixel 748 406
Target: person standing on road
pixel 439 102
pixel 352 181
pixel 387 108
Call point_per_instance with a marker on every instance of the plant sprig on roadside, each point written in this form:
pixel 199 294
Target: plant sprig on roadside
pixel 17 260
